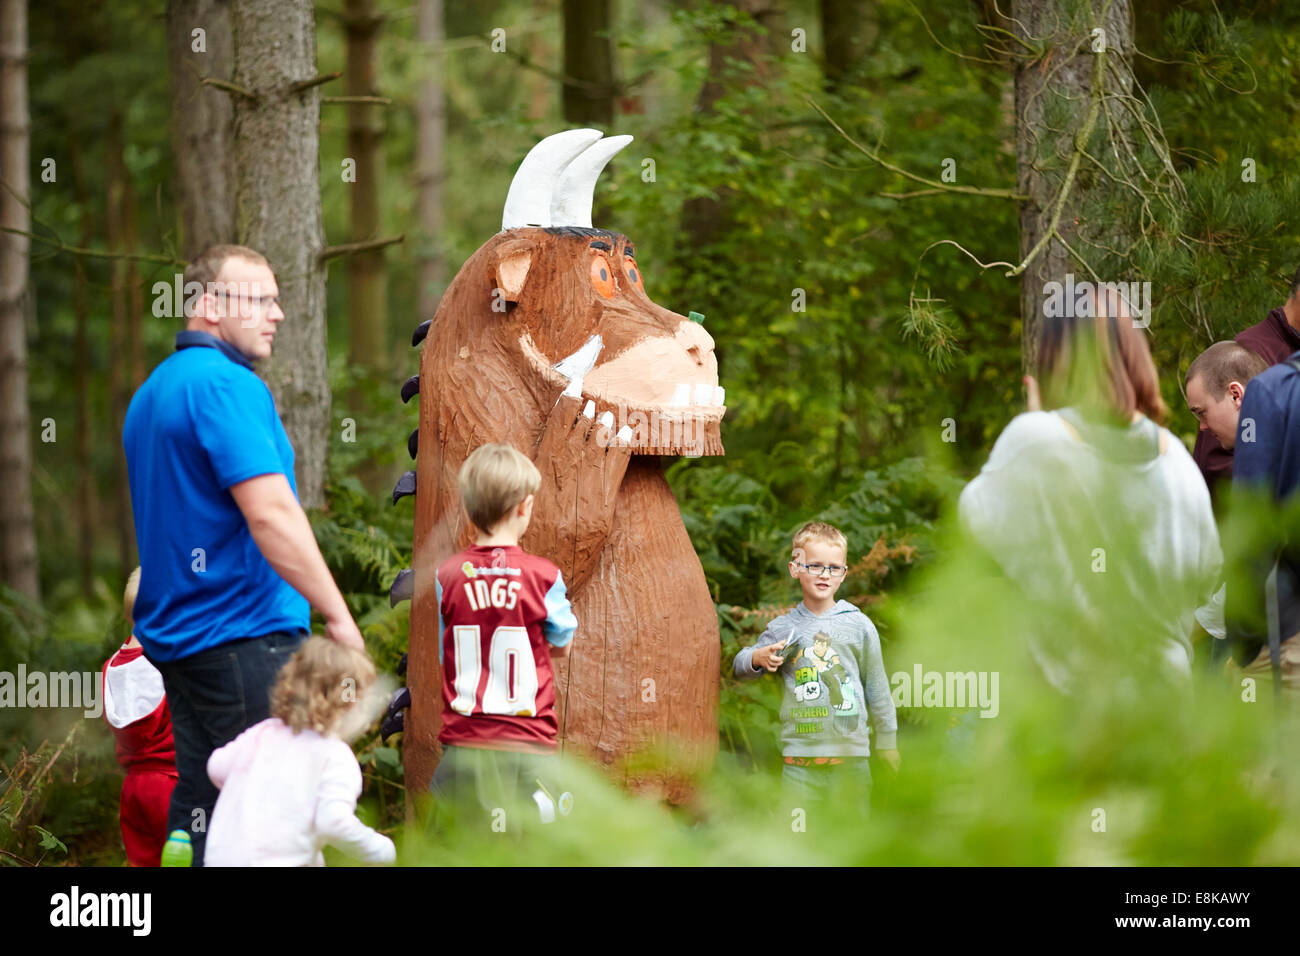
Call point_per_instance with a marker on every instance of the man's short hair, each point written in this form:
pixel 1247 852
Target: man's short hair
pixel 817 531
pixel 206 266
pixel 493 480
pixel 1223 363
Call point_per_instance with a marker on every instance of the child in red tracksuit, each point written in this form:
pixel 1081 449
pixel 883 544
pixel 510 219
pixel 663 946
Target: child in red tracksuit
pixel 135 706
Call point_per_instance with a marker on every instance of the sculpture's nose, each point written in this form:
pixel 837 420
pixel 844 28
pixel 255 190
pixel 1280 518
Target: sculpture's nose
pixel 699 344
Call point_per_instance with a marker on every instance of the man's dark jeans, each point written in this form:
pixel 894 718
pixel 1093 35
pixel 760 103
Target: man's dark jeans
pixel 215 696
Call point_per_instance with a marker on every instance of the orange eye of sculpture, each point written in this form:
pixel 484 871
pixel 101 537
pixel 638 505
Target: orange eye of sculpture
pixel 633 274
pixel 602 277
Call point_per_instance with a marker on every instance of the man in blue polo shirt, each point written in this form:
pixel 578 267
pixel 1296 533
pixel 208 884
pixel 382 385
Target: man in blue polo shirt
pixel 229 565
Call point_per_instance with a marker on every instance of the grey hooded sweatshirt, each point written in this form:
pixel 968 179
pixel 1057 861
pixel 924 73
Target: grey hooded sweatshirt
pixel 834 678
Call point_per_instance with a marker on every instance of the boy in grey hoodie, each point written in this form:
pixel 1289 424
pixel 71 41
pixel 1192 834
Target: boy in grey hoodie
pixel 828 653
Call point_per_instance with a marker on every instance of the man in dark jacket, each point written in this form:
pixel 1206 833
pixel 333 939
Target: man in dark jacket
pixel 1263 615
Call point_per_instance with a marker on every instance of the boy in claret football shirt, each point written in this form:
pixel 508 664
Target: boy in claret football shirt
pixel 135 706
pixel 503 614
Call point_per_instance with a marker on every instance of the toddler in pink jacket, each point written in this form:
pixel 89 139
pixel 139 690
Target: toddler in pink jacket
pixel 289 784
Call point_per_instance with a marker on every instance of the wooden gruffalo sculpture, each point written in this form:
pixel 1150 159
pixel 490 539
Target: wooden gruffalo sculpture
pixel 547 340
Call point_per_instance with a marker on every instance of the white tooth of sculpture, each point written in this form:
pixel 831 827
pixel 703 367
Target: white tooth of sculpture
pixel 580 362
pixel 719 395
pixel 528 203
pixel 703 394
pixel 606 419
pixel 589 410
pixel 682 396
pixel 574 388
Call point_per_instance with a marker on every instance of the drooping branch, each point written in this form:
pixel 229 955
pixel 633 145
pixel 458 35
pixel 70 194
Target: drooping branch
pixel 94 253
pixel 351 248
pixel 618 87
pixel 907 174
pixel 956 53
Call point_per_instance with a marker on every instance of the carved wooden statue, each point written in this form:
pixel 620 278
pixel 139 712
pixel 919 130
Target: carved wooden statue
pixel 547 340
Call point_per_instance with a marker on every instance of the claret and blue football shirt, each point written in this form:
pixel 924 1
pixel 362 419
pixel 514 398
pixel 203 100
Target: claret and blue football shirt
pixel 499 608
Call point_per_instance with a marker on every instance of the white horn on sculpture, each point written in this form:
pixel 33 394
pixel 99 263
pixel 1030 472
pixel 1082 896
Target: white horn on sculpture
pixel 571 201
pixel 529 201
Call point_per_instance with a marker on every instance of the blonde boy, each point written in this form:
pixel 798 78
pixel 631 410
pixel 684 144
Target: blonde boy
pixel 503 614
pixel 828 654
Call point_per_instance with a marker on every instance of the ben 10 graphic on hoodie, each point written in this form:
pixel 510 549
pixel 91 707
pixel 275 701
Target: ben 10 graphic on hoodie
pixel 822 686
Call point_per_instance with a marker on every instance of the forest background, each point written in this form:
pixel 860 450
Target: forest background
pixel 824 181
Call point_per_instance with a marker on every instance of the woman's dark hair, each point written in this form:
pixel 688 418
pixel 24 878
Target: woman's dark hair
pixel 1100 365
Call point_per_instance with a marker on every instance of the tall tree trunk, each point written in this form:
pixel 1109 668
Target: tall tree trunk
pixel 705 218
pixel 1057 96
pixel 202 119
pixel 18 564
pixel 278 212
pixel 588 92
pixel 134 288
pixel 86 505
pixel 849 29
pixel 121 372
pixel 430 171
pixel 367 298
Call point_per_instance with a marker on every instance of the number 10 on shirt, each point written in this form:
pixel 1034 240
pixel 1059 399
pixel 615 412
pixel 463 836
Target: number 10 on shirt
pixel 512 673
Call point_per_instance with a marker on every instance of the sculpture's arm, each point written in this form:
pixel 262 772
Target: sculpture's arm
pixel 582 463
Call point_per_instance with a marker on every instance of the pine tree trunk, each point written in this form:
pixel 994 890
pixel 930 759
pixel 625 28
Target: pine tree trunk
pixel 86 506
pixel 202 120
pixel 1053 98
pixel 18 564
pixel 588 60
pixel 134 288
pixel 705 218
pixel 849 29
pixel 278 213
pixel 121 373
pixel 367 291
pixel 431 134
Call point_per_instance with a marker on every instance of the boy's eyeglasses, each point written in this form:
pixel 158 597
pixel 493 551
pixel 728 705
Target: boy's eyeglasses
pixel 816 570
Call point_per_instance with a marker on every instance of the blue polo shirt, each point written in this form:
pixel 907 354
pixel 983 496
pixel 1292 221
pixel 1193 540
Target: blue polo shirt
pixel 202 422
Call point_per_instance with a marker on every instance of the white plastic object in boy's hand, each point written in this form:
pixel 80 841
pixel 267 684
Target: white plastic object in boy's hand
pixel 545 805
